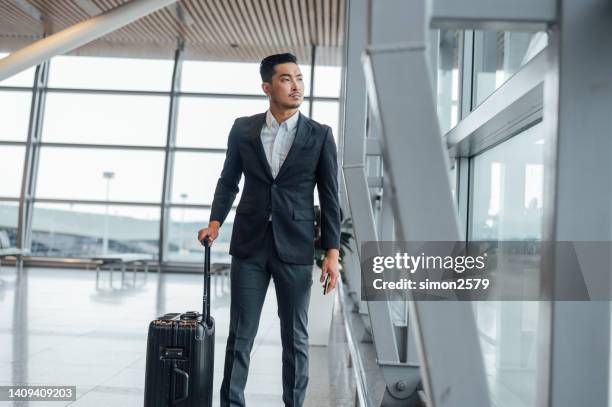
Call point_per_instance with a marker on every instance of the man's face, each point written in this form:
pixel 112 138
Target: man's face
pixel 287 87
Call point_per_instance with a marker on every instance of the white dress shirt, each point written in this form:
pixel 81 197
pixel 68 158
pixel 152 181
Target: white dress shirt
pixel 277 140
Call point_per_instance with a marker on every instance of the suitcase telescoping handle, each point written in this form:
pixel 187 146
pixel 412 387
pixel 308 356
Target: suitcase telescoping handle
pixel 205 298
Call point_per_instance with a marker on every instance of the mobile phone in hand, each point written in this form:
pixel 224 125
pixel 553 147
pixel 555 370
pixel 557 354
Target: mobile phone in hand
pixel 326 284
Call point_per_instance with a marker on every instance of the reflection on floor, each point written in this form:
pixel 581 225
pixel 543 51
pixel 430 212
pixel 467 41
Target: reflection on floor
pixel 57 327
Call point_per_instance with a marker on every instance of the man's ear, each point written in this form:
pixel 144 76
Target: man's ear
pixel 265 86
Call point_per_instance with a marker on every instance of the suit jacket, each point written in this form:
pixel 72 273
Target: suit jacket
pixel 289 197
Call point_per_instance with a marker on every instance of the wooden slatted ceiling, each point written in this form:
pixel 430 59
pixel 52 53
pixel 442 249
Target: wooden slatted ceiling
pixel 16 22
pixel 222 30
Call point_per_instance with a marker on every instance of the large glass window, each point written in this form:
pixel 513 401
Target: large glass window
pixel 508 189
pixel 11 170
pixel 327 80
pixel 498 55
pixel 82 230
pixel 195 177
pixel 182 236
pixel 100 174
pixel 228 77
pixel 507 201
pixel 15 108
pixel 110 73
pixel 448 80
pixel 106 119
pixel 84 105
pixel 9 217
pixel 206 122
pixel 327 113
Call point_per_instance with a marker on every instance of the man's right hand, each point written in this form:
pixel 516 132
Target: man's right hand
pixel 212 231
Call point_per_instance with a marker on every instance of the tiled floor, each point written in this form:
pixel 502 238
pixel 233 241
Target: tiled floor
pixel 58 328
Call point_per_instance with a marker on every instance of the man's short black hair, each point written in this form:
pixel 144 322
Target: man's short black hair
pixel 266 68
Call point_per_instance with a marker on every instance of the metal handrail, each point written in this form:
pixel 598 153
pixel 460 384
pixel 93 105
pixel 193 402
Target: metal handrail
pixel 357 365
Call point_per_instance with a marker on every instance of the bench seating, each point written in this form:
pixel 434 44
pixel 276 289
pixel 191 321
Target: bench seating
pixel 122 261
pixel 7 251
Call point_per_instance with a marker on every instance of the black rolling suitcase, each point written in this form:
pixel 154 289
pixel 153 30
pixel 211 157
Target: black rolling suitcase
pixel 180 355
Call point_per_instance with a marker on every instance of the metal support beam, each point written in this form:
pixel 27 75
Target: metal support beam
pixel 182 14
pixel 94 91
pixel 354 286
pixel 164 224
pixel 496 117
pixel 313 61
pixel 400 379
pixel 501 15
pixel 77 35
pixel 575 339
pixel 353 111
pixel 399 89
pixel 351 260
pixel 32 157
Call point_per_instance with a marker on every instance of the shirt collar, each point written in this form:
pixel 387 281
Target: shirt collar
pixel 291 122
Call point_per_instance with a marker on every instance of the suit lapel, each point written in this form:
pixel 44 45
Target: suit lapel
pixel 303 128
pixel 255 135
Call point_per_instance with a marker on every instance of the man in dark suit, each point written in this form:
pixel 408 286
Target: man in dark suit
pixel 282 155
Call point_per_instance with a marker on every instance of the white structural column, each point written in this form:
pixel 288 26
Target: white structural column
pixel 416 162
pixel 401 380
pixel 77 35
pixel 351 262
pixel 577 107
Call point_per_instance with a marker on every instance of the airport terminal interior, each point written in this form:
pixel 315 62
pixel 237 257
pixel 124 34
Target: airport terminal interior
pixel 455 121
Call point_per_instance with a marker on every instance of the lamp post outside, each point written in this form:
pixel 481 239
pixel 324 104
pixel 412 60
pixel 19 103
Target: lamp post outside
pixel 183 250
pixel 108 175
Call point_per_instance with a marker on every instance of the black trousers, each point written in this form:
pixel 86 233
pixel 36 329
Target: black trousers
pixel 249 283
